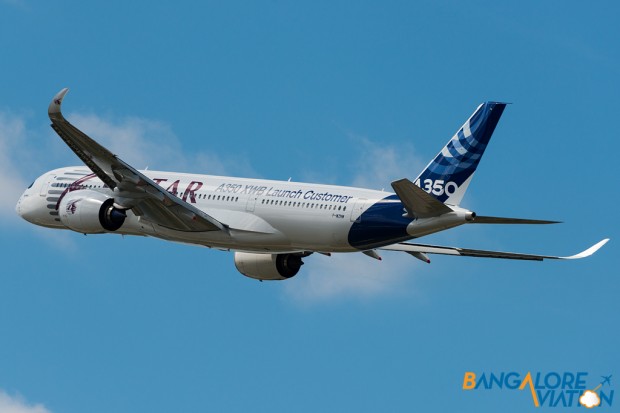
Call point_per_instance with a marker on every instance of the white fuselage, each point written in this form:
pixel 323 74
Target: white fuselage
pixel 261 215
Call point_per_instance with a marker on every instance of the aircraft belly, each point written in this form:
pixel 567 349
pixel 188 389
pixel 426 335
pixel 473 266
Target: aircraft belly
pixel 232 239
pixel 318 231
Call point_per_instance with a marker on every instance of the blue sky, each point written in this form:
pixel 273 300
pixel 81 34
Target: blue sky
pixel 318 91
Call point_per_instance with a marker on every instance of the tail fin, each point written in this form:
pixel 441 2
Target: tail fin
pixel 448 175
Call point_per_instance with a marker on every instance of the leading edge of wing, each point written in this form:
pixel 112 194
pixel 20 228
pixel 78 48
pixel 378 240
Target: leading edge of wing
pixel 127 182
pixel 466 252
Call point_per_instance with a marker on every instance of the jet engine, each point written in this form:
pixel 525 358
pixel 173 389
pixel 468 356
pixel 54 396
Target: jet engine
pixel 90 212
pixel 268 266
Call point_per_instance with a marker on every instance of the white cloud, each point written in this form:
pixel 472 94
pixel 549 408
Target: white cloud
pixel 17 404
pixel 12 154
pixel 379 164
pixel 140 142
pixel 150 143
pixel 353 275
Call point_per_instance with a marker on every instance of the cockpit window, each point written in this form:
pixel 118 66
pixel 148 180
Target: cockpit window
pixel 30 186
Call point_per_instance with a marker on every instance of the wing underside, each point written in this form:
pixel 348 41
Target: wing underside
pixel 419 250
pixel 132 189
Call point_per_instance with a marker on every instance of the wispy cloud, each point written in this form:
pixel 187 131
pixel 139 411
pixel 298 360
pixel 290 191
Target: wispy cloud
pixel 24 154
pixel 151 143
pixel 351 276
pixel 379 164
pixel 12 155
pixel 140 142
pixel 17 404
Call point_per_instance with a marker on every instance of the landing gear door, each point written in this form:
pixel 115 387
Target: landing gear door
pixel 358 209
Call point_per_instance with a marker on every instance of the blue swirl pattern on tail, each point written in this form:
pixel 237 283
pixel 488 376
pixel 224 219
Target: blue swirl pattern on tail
pixel 447 176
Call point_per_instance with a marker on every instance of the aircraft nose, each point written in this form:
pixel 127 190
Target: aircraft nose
pixel 26 208
pixel 18 206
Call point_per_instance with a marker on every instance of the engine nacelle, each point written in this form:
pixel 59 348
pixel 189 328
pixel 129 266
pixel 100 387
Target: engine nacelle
pixel 90 212
pixel 268 266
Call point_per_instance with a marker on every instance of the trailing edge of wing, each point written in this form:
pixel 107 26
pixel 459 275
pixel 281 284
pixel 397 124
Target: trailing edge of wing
pixel 434 249
pixel 145 196
pixel 417 202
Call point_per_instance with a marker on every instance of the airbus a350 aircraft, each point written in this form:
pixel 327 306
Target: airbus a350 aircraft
pixel 270 225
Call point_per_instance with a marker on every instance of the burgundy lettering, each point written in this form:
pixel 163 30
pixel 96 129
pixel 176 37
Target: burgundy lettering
pixel 190 190
pixel 174 188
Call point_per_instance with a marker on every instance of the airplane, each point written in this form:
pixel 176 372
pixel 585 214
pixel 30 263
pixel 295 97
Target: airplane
pixel 271 226
pixel 606 379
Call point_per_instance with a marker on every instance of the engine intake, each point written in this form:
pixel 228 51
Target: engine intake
pixel 268 266
pixel 90 212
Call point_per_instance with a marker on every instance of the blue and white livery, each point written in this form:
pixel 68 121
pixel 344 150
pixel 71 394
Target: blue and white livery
pixel 447 176
pixel 270 225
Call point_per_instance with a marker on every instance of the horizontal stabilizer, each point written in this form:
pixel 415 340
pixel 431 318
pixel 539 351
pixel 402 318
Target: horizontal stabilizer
pixel 417 202
pixel 466 252
pixel 499 220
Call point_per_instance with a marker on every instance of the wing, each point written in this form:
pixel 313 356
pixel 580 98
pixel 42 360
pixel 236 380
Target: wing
pixel 419 251
pixel 132 189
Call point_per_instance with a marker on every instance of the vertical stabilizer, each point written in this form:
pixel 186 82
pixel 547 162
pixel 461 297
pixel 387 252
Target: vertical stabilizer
pixel 448 175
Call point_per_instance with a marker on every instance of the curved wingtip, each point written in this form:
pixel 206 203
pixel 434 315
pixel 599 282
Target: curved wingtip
pixel 54 107
pixel 589 251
